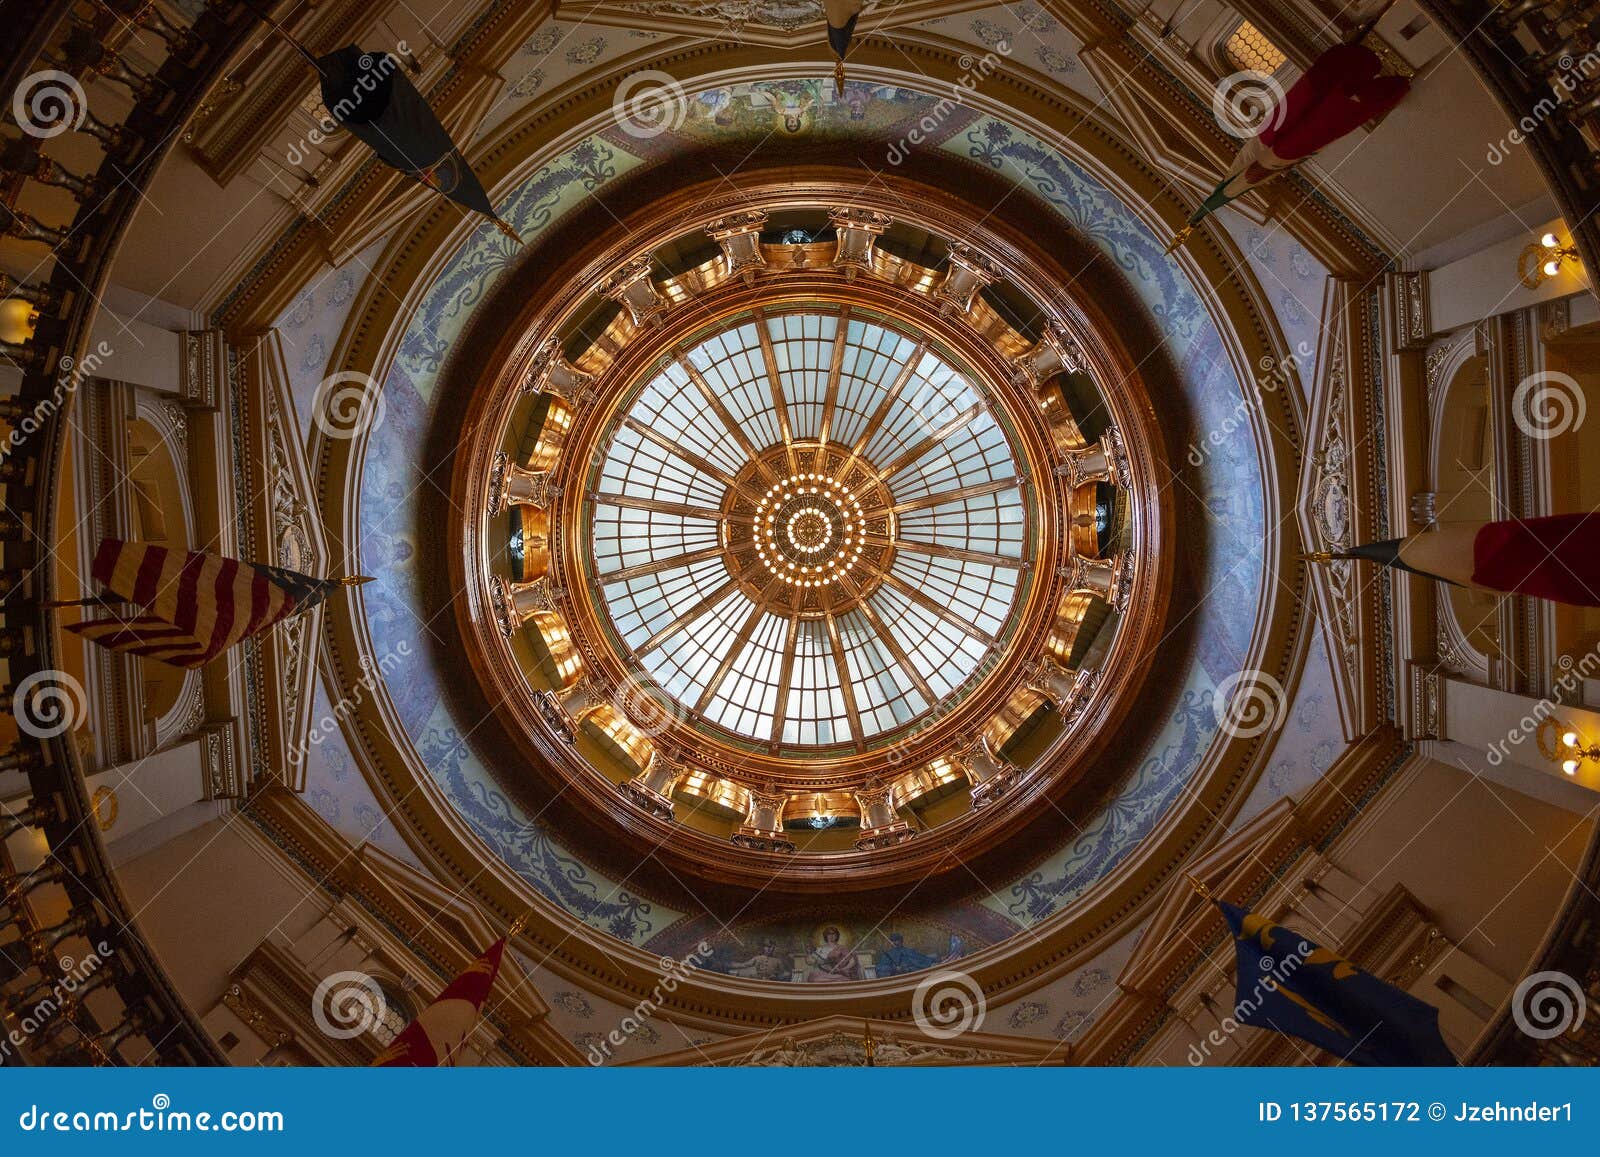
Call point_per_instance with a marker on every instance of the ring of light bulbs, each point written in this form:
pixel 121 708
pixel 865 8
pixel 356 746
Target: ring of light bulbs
pixel 809 530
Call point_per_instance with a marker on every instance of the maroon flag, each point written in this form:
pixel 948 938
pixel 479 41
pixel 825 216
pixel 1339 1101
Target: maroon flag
pixel 1556 557
pixel 194 605
pixel 436 1036
pixel 1339 93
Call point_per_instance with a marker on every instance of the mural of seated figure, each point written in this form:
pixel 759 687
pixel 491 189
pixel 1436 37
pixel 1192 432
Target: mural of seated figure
pixel 898 959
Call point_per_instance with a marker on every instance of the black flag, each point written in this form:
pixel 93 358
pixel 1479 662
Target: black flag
pixel 842 16
pixel 369 94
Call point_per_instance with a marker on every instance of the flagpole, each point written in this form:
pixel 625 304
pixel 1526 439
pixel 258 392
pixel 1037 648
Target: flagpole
pixel 281 31
pixel 91 601
pixel 518 925
pixel 1178 239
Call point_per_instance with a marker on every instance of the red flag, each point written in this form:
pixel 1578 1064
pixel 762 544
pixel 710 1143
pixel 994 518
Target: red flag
pixel 1339 93
pixel 1556 557
pixel 435 1037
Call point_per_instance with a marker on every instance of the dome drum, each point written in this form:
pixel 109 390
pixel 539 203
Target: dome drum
pixel 808 491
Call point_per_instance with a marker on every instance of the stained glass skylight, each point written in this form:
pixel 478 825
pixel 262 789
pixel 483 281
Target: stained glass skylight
pixel 808 528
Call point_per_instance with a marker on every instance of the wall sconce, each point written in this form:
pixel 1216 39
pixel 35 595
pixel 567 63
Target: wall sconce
pixel 17 319
pixel 1560 743
pixel 1541 261
pixel 1575 753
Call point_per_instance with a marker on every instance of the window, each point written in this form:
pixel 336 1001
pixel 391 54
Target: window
pixel 1248 49
pixel 848 425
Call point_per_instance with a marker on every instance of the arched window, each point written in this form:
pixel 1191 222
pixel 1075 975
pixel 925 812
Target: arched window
pixel 1248 49
pixel 398 1011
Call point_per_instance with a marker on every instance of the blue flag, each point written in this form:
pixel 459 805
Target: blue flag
pixel 1290 985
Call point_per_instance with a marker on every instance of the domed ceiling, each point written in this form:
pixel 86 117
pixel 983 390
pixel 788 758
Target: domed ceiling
pixel 816 534
pixel 755 522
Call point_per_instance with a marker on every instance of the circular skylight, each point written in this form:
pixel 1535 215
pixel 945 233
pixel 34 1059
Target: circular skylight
pixel 808 529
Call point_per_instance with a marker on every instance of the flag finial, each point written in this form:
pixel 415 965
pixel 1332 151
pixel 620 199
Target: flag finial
pixel 355 580
pixel 1178 239
pixel 1201 888
pixel 517 925
pixel 500 224
pixel 838 78
pixel 1317 556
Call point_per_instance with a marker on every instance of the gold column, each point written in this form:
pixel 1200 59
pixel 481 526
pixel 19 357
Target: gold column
pixel 651 789
pixel 969 272
pixel 565 709
pixel 516 604
pixel 880 826
pixel 991 775
pixel 520 487
pixel 739 235
pixel 632 288
pixel 762 830
pixel 1109 579
pixel 858 231
pixel 551 373
pixel 1067 690
pixel 1055 352
pixel 1102 462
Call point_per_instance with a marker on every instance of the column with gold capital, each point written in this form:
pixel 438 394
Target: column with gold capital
pixel 551 373
pixel 651 789
pixel 991 775
pixel 762 830
pixel 880 826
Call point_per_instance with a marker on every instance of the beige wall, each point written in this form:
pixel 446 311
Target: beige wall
pixel 209 896
pixel 1489 864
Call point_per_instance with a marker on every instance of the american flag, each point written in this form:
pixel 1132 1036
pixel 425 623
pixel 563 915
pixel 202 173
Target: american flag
pixel 194 604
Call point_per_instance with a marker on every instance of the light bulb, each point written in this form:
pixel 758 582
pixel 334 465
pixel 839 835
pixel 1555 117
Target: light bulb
pixel 1550 241
pixel 1569 739
pixel 17 318
pixel 1570 767
pixel 1551 268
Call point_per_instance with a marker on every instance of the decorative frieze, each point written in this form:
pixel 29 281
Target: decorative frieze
pixel 224 777
pixel 1408 300
pixel 203 368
